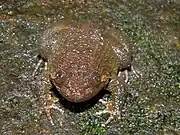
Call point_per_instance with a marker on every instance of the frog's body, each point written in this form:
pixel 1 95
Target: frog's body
pixel 82 59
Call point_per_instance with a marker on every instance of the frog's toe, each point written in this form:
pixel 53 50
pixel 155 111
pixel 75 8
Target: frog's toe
pixel 126 76
pixel 47 110
pixel 137 74
pixel 37 67
pixel 57 108
pixel 110 108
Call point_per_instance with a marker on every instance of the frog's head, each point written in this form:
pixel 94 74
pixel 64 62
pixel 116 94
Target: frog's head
pixel 78 85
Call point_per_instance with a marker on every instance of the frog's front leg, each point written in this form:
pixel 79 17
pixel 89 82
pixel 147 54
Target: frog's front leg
pixel 117 87
pixel 48 101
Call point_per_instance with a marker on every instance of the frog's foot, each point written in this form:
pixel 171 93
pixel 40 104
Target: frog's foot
pixel 126 76
pixel 110 108
pixel 137 74
pixel 48 106
pixel 37 67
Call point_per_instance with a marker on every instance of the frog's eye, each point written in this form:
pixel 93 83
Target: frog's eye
pixel 96 76
pixel 59 78
pixel 58 74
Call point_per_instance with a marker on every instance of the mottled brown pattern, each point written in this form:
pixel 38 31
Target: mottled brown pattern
pixel 81 60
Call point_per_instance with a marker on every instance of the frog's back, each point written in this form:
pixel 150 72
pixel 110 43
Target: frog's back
pixel 69 36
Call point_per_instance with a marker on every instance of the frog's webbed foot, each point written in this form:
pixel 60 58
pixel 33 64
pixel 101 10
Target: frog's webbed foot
pixel 110 108
pixel 49 105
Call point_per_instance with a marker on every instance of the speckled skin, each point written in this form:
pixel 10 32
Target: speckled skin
pixel 82 59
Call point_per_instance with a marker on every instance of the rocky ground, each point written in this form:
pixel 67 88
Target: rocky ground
pixel 152 106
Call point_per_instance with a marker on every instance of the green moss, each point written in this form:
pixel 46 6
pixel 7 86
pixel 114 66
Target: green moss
pixel 91 126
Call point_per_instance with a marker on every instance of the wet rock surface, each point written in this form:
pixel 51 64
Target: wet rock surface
pixel 152 105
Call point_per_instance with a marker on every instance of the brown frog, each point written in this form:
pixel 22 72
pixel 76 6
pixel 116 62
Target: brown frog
pixel 81 59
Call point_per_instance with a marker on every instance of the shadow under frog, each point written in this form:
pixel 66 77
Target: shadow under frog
pixel 79 106
pixel 81 61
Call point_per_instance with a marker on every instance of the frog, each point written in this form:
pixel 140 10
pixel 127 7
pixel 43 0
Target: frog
pixel 81 59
